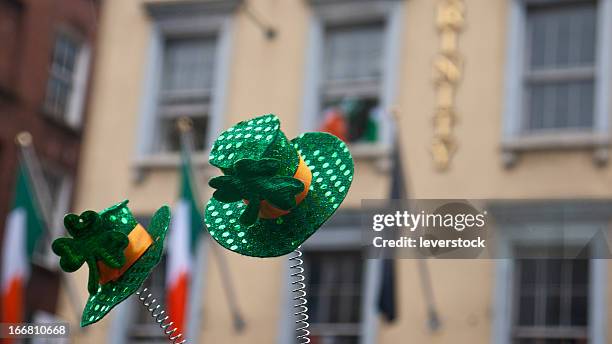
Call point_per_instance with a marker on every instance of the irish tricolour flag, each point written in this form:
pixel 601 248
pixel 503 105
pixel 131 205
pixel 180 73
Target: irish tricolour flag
pixel 183 237
pixel 23 227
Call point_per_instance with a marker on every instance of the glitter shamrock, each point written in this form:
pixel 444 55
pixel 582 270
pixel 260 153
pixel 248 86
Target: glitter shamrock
pixel 254 181
pixel 92 242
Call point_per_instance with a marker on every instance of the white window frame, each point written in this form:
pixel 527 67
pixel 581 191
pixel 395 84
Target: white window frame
pixel 513 137
pixel 339 12
pixel 336 239
pixel 188 18
pixel 76 98
pixel 509 236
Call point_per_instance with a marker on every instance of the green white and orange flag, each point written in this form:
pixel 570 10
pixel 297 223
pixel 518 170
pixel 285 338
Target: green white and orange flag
pixel 184 232
pixel 23 227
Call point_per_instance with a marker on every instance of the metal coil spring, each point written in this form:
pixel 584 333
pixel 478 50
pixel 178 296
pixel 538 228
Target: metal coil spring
pixel 299 298
pixel 159 314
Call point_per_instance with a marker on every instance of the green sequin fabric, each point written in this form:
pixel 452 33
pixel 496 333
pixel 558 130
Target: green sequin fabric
pixel 331 165
pixel 254 139
pixel 102 234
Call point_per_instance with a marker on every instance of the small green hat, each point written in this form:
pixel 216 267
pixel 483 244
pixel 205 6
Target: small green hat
pixel 262 170
pixel 101 238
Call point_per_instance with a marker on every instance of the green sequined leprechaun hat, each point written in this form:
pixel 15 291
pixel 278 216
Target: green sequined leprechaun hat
pixel 119 252
pixel 275 192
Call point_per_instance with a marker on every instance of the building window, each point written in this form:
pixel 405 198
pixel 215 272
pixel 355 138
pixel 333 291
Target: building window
pixel 351 72
pixel 560 66
pixel 334 290
pixel 338 282
pixel 61 76
pixel 186 89
pixel 552 301
pixel 557 76
pixel 544 293
pixel 67 80
pixel 352 67
pixel 186 76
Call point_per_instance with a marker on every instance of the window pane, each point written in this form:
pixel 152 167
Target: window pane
pixel 552 298
pixel 189 64
pixel 580 272
pixel 333 283
pixel 352 71
pixel 60 82
pixel 64 54
pixel 579 310
pixel 526 310
pixel 353 52
pixel 188 71
pixel 549 341
pixel 524 341
pixel 58 92
pixel 527 272
pixel 554 271
pixel 560 105
pixel 562 35
pixel 553 309
pixel 315 339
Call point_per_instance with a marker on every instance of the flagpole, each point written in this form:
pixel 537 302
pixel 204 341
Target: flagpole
pixel 186 137
pixel 230 293
pixel 41 190
pixel 43 195
pixel 433 319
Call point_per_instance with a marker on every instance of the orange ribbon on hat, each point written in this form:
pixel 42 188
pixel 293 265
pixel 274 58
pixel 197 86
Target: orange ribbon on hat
pixel 302 173
pixel 139 241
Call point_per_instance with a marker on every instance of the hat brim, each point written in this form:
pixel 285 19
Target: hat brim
pixel 112 293
pixel 331 165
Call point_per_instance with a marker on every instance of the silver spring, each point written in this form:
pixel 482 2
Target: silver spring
pixel 299 298
pixel 160 316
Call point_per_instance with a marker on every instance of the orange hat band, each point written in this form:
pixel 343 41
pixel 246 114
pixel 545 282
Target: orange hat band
pixel 268 211
pixel 139 241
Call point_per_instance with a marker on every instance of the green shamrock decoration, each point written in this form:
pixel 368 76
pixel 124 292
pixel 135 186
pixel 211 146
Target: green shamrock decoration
pixel 322 161
pixel 256 180
pixel 92 241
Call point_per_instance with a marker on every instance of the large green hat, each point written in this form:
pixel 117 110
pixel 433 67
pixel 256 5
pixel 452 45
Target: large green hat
pixel 275 192
pixel 119 252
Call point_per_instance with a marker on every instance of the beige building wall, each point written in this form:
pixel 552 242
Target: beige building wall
pixel 268 76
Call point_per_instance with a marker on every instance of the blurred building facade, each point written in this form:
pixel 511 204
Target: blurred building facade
pixel 524 86
pixel 45 61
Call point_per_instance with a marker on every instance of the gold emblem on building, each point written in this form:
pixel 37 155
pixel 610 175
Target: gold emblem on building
pixel 447 73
